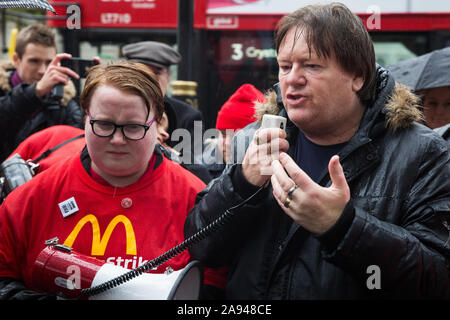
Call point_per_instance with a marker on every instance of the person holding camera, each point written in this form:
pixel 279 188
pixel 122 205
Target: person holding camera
pixel 26 101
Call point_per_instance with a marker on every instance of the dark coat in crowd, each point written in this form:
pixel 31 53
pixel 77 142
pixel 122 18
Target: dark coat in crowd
pixel 444 132
pixel 182 115
pixel 212 158
pixel 397 220
pixel 22 113
pixel 199 170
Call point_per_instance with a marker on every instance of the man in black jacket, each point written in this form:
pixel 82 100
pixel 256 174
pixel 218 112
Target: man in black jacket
pixel 26 102
pixel 159 57
pixel 352 200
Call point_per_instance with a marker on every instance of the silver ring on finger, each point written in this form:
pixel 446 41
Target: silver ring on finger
pixel 292 189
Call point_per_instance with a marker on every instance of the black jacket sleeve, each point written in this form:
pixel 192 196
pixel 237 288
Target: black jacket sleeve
pixel 23 114
pixel 181 115
pixel 74 115
pixel 226 192
pixel 17 106
pixel 414 254
pixel 12 289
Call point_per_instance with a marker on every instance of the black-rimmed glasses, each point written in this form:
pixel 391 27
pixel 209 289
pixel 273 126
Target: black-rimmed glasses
pixel 105 129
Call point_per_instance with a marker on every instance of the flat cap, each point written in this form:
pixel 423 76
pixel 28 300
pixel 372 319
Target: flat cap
pixel 153 53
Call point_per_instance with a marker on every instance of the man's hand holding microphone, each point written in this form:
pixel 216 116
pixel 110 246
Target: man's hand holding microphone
pixel 312 206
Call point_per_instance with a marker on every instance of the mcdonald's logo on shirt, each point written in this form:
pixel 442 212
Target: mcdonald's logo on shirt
pixel 99 242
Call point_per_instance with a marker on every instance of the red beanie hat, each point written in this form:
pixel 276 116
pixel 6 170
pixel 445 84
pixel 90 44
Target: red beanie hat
pixel 239 110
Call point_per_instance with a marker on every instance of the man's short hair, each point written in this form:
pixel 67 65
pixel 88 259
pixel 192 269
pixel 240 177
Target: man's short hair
pixel 126 76
pixel 36 34
pixel 332 29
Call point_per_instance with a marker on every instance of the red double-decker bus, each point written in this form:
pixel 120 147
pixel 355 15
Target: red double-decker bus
pixel 233 39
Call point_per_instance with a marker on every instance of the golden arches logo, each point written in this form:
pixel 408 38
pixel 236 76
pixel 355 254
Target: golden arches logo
pixel 99 243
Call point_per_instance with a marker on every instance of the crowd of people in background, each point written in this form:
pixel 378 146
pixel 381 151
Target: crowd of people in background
pixel 359 177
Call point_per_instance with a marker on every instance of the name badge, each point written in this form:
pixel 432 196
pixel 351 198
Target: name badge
pixel 68 207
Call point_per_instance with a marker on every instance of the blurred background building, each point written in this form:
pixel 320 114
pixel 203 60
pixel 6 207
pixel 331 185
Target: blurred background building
pixel 231 41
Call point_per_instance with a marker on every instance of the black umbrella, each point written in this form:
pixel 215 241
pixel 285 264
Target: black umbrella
pixel 39 4
pixel 430 70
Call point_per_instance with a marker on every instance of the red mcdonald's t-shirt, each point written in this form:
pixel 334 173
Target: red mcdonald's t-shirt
pixel 124 226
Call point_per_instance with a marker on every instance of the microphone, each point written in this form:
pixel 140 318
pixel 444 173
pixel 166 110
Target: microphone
pixel 273 121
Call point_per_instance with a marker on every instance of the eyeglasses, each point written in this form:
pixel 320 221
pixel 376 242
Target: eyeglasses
pixel 130 131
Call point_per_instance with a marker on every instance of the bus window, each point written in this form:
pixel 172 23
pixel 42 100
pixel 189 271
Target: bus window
pixel 235 58
pixel 393 47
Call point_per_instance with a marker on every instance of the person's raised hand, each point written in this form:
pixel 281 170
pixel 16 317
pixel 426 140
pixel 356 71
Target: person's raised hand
pixel 55 74
pixel 312 206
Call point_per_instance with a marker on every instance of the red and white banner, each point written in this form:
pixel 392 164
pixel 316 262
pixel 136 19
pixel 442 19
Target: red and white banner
pixel 282 7
pixel 120 13
pixel 386 15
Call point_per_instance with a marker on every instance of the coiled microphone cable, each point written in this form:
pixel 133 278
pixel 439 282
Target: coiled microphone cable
pixel 186 244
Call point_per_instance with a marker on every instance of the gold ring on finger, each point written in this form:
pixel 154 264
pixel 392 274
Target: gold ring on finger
pixel 287 202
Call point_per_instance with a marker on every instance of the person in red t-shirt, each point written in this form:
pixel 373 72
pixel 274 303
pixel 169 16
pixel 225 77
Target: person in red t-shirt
pixel 38 143
pixel 118 179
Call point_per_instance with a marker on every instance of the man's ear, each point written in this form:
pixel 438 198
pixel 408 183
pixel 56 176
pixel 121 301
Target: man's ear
pixel 358 83
pixel 16 59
